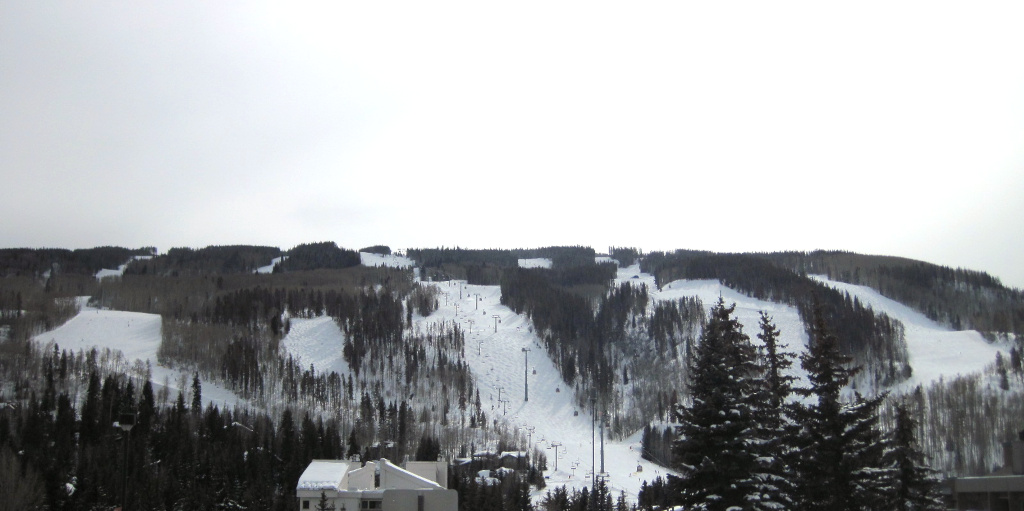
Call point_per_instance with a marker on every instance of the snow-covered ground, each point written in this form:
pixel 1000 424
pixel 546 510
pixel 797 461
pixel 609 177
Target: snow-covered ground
pixel 137 337
pixel 495 340
pixel 540 262
pixel 935 351
pixel 317 342
pixel 392 260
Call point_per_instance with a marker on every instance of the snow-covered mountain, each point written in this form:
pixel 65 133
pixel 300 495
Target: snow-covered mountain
pixel 505 356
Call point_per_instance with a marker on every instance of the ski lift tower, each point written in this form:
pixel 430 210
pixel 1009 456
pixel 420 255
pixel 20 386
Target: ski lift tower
pixel 526 374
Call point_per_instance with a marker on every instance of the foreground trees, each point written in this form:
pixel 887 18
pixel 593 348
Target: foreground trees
pixel 746 442
pixel 723 452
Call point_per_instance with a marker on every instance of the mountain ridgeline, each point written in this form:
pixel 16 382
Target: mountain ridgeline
pixel 408 389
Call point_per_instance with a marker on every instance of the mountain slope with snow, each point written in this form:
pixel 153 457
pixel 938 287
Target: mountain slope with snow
pixel 496 340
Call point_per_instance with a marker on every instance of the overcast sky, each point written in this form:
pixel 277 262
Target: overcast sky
pixel 888 127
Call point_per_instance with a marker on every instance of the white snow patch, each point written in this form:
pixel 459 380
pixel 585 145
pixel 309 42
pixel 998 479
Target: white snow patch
pixel 119 272
pixel 270 267
pixel 319 342
pixel 540 262
pixel 393 261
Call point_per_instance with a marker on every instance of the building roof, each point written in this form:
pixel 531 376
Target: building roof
pixel 393 476
pixel 324 475
pixel 341 476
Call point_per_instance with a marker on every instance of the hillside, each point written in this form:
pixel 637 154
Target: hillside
pixel 391 363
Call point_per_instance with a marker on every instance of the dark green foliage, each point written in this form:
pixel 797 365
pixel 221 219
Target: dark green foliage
pixel 626 256
pixel 487 267
pixel 429 449
pixel 962 299
pixel 720 450
pixel 838 460
pixel 179 460
pixel 212 260
pixel 87 261
pixel 324 504
pixel 915 485
pixel 777 363
pixel 324 255
pixel 656 445
pixel 377 249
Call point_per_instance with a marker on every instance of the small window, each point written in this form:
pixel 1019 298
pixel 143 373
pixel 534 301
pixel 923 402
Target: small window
pixel 420 504
pixel 305 504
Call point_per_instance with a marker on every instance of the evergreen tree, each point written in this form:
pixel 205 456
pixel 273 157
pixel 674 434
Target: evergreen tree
pixel 774 430
pixel 915 486
pixel 324 504
pixel 777 362
pixel 838 462
pixel 197 394
pixel 719 448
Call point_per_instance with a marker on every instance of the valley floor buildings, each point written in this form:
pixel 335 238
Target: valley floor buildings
pixel 1001 491
pixel 379 485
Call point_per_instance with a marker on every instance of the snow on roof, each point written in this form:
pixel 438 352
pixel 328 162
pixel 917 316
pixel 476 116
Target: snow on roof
pixel 420 481
pixel 324 475
pixel 514 454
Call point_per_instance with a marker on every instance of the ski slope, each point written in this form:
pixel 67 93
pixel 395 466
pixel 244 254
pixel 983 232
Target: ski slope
pixel 495 340
pixel 935 351
pixel 136 337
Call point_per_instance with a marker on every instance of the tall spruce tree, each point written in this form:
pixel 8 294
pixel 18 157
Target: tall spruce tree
pixel 838 462
pixel 719 448
pixel 915 486
pixel 775 430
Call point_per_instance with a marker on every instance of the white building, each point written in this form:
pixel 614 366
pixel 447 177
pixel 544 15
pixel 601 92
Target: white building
pixel 420 486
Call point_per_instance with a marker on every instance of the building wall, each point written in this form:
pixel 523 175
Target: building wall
pixel 433 500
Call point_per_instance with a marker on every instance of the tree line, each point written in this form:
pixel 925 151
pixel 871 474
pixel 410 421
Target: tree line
pixel 955 297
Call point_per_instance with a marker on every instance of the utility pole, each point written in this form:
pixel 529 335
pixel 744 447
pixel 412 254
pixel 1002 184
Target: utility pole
pixel 529 432
pixel 125 422
pixel 602 443
pixel 593 447
pixel 526 373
